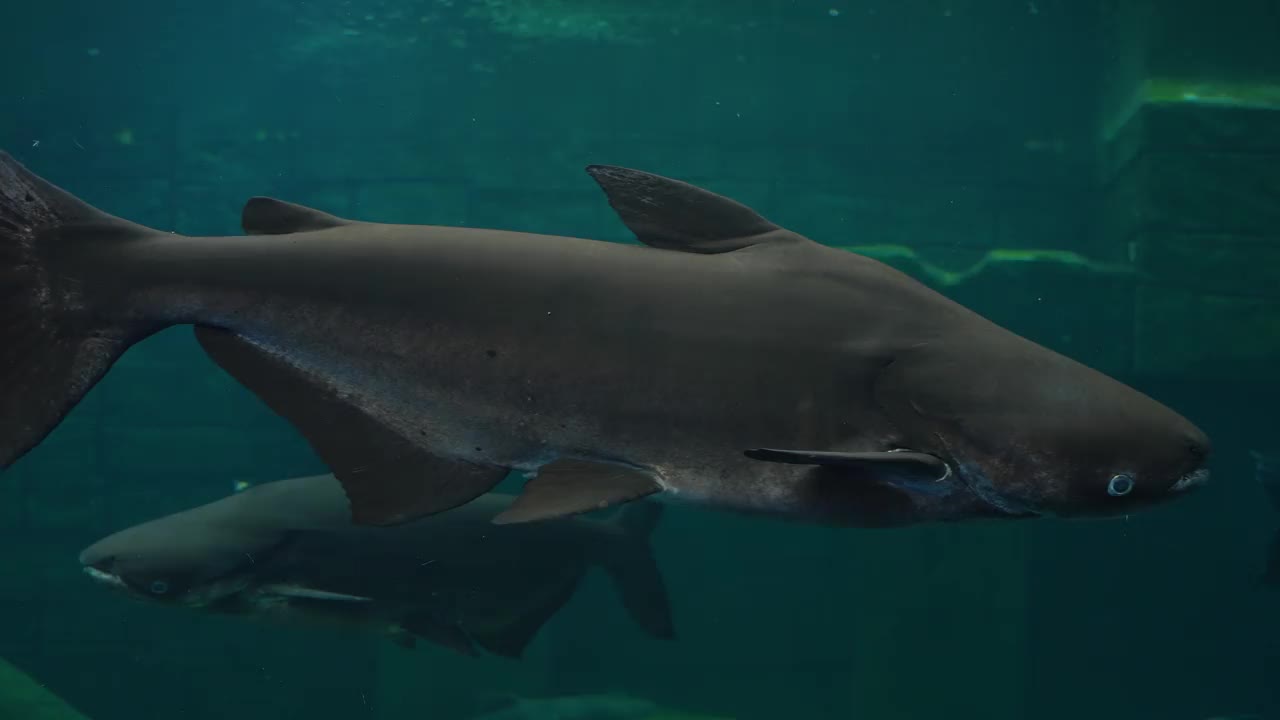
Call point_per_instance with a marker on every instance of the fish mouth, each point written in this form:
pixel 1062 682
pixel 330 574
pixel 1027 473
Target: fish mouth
pixel 1193 479
pixel 105 578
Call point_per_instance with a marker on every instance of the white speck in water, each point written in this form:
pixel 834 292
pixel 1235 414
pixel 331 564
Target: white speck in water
pixel 833 12
pixel 93 52
pixel 35 143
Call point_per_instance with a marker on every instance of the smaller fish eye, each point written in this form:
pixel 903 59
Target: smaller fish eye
pixel 1120 485
pixel 159 587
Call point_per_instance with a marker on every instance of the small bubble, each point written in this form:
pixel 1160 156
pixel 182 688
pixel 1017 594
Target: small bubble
pixel 833 12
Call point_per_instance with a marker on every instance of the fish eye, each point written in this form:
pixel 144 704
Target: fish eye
pixel 159 587
pixel 1120 485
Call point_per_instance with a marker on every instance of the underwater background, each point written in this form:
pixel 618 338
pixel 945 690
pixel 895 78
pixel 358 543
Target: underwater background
pixel 1102 177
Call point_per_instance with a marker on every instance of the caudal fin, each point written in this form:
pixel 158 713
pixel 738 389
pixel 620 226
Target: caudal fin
pixel 635 573
pixel 57 336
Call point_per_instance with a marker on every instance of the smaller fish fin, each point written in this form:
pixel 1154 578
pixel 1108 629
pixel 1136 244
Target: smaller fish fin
pixel 1267 472
pixel 511 635
pixel 569 487
pixel 268 216
pixel 299 592
pixel 635 573
pixel 674 215
pixel 912 471
pixel 429 628
pixel 387 478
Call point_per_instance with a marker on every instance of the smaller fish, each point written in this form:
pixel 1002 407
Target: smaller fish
pixel 1267 471
pixel 289 550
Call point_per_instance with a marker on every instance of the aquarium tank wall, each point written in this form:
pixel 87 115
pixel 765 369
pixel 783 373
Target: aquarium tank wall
pixel 1101 177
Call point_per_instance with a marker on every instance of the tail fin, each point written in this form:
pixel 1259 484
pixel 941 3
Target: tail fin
pixel 636 575
pixel 55 344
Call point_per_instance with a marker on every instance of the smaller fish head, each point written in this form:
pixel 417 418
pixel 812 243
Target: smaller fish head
pixel 1031 432
pixel 178 560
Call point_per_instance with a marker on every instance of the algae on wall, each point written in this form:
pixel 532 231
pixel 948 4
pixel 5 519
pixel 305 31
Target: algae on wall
pixel 22 697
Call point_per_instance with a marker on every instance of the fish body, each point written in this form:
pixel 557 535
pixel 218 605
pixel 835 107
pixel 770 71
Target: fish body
pixel 727 362
pixel 287 550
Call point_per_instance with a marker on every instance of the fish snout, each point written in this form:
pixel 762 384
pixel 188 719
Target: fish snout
pixel 1191 480
pixel 100 567
pixel 101 572
pixel 1197 473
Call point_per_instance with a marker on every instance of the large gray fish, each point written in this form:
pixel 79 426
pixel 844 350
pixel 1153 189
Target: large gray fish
pixel 288 550
pixel 732 363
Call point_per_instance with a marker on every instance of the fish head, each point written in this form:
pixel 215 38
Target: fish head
pixel 192 559
pixel 1031 432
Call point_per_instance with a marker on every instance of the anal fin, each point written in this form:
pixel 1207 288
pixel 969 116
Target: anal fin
pixel 387 478
pixel 506 628
pixel 571 487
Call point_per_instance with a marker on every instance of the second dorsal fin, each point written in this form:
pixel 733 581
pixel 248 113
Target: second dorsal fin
pixel 675 215
pixel 268 216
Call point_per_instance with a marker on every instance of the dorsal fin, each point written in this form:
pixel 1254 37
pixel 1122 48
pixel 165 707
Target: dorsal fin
pixel 268 216
pixel 675 215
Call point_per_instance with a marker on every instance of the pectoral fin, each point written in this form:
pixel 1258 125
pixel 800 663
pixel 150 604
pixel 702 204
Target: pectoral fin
pixel 388 478
pixel 912 471
pixel 570 487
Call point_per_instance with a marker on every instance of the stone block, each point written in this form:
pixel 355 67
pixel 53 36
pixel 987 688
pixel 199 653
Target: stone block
pixel 1191 126
pixel 1214 264
pixel 1196 192
pixel 1188 334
